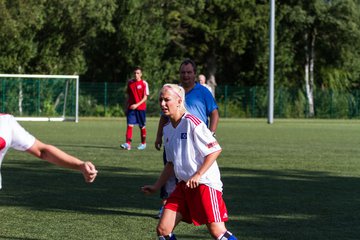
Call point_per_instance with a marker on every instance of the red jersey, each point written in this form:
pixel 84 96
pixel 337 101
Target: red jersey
pixel 136 91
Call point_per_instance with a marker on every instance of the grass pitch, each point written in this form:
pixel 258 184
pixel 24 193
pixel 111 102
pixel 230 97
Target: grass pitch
pixel 294 179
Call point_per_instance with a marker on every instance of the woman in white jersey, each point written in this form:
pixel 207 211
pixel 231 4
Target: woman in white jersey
pixel 12 135
pixel 191 152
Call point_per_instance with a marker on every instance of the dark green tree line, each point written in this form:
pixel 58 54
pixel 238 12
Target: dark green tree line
pixel 317 42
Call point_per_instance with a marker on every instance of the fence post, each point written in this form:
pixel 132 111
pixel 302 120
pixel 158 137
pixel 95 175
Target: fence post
pixel 226 99
pixel 3 96
pixel 331 103
pixel 280 102
pixel 357 103
pixel 105 98
pixel 253 99
pixel 38 98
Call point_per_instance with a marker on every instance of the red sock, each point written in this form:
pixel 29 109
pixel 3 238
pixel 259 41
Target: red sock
pixel 129 131
pixel 143 135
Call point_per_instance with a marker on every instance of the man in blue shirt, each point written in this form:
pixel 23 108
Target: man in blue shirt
pixel 199 102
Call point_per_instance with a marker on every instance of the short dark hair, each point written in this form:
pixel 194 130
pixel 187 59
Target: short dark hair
pixel 188 61
pixel 137 68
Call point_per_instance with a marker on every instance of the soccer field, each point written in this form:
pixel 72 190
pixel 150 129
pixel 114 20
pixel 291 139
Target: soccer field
pixel 294 179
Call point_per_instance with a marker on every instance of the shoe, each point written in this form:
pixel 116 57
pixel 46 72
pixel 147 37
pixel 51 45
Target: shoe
pixel 126 146
pixel 141 146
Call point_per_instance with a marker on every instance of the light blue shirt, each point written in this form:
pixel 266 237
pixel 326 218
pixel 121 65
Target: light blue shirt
pixel 200 102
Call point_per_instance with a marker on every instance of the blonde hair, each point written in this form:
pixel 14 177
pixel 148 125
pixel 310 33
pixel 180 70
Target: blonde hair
pixel 176 90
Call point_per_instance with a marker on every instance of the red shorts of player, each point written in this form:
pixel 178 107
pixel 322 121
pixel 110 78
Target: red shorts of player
pixel 199 206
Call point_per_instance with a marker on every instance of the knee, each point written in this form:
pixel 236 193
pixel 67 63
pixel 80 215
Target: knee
pixel 217 230
pixel 162 230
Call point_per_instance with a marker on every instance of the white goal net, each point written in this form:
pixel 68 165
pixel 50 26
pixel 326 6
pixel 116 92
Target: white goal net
pixel 40 97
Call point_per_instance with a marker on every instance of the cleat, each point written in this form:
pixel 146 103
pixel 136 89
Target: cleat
pixel 125 146
pixel 141 146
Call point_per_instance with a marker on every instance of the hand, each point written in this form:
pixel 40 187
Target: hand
pixel 193 182
pixel 148 189
pixel 133 107
pixel 158 143
pixel 89 172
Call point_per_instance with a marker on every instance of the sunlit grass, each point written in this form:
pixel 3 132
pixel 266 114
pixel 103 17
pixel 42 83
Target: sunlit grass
pixel 294 179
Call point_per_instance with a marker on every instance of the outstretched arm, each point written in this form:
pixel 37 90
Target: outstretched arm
pixel 159 133
pixel 58 157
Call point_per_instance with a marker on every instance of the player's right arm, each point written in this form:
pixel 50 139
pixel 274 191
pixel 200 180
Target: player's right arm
pixel 158 141
pixel 164 176
pixel 136 105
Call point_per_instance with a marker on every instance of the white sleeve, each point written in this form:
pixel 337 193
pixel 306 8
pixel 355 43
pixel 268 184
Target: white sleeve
pixel 204 140
pixel 147 92
pixel 21 139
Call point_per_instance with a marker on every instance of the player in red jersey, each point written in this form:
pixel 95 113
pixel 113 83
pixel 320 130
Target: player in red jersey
pixel 138 91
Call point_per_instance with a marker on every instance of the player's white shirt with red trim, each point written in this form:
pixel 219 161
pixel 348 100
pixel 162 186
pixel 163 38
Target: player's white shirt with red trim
pixel 186 147
pixel 12 135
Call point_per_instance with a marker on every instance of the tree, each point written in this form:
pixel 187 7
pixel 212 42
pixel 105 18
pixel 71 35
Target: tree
pixel 19 23
pixel 69 26
pixel 217 34
pixel 326 57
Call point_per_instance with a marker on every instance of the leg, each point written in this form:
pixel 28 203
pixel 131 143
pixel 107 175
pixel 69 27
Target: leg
pixel 141 120
pixel 128 136
pixel 129 131
pixel 218 231
pixel 143 135
pixel 168 222
pixel 130 122
pixel 142 145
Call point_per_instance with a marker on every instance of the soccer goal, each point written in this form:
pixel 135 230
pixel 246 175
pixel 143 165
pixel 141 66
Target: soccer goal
pixel 40 97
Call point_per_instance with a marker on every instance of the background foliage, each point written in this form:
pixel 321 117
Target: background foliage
pixel 103 40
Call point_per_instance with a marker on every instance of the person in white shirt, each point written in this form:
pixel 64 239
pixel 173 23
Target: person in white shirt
pixel 202 81
pixel 191 152
pixel 13 135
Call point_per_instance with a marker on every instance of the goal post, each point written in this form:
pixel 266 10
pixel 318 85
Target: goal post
pixel 31 97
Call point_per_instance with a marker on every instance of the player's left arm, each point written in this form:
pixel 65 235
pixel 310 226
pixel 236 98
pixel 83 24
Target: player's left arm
pixel 193 182
pixel 58 157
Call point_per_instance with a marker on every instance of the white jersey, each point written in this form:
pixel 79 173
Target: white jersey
pixel 12 135
pixel 186 147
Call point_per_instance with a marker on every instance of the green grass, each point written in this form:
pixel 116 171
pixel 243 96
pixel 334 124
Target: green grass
pixel 294 179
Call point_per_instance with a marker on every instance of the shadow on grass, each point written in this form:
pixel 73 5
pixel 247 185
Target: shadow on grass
pixel 44 187
pixel 17 238
pixel 87 146
pixel 292 204
pixel 262 204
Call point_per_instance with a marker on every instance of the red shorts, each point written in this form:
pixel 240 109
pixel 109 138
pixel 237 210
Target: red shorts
pixel 200 205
